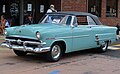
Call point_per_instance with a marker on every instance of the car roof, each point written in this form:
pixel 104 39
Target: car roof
pixel 78 14
pixel 73 13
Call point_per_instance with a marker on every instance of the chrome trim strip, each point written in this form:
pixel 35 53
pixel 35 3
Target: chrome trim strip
pixel 81 36
pixel 105 39
pixel 30 49
pixel 105 34
pixel 43 43
pixel 64 37
pixel 12 40
pixel 4 45
pixel 21 37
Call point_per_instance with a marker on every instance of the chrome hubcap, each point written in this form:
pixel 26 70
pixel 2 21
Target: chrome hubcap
pixel 104 46
pixel 56 51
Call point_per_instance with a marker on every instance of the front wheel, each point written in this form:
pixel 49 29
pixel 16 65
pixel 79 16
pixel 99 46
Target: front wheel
pixel 20 53
pixel 104 47
pixel 55 53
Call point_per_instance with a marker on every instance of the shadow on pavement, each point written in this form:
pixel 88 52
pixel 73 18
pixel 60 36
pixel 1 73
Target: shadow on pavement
pixel 39 58
pixel 112 53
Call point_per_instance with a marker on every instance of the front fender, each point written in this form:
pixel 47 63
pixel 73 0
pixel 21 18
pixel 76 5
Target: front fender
pixel 58 40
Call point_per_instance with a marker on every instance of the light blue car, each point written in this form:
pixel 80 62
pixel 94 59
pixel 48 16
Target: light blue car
pixel 59 33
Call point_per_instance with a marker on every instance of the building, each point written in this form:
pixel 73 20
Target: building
pixel 107 10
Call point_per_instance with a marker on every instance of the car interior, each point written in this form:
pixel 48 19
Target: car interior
pixel 84 20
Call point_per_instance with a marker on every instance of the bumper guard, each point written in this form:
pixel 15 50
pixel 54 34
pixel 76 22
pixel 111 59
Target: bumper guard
pixel 24 47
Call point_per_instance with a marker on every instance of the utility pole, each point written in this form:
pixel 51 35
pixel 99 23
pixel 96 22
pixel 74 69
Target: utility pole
pixel 21 12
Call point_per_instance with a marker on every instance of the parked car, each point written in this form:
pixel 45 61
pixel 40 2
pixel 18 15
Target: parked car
pixel 59 33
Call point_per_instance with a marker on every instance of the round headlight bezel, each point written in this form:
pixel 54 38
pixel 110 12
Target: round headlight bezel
pixel 5 32
pixel 38 35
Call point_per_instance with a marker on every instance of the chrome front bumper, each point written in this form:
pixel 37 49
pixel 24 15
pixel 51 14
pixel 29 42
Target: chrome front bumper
pixel 25 48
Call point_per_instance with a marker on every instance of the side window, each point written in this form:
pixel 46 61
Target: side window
pixel 90 21
pixel 85 20
pixel 68 22
pixel 82 20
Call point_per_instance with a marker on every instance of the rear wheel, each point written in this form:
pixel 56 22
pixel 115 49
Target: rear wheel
pixel 20 53
pixel 104 47
pixel 55 53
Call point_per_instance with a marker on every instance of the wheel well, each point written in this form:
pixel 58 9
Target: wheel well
pixel 62 44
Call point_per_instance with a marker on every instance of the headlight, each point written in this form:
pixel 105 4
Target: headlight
pixel 38 35
pixel 5 32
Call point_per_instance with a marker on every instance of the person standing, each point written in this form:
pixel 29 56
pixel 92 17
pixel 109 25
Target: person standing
pixel 29 19
pixel 118 29
pixel 3 24
pixel 51 9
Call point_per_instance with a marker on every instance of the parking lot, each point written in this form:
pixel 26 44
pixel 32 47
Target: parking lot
pixel 82 62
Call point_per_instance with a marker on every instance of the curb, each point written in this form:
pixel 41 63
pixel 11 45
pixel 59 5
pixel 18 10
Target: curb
pixel 114 47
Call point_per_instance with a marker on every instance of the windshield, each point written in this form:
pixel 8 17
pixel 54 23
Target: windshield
pixel 54 18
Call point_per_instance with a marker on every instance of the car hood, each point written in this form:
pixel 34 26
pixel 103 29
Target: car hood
pixel 30 30
pixel 46 27
pixel 43 27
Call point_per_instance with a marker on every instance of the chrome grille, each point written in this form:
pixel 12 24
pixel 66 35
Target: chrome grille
pixel 23 39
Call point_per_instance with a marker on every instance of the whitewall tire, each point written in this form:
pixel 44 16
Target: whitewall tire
pixel 55 53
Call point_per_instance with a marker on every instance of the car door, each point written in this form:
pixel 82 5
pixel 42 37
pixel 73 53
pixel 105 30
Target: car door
pixel 83 35
pixel 81 38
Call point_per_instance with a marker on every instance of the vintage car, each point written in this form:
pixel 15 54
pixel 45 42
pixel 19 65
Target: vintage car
pixel 59 33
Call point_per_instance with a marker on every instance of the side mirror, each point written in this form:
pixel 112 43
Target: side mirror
pixel 72 26
pixel 76 24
